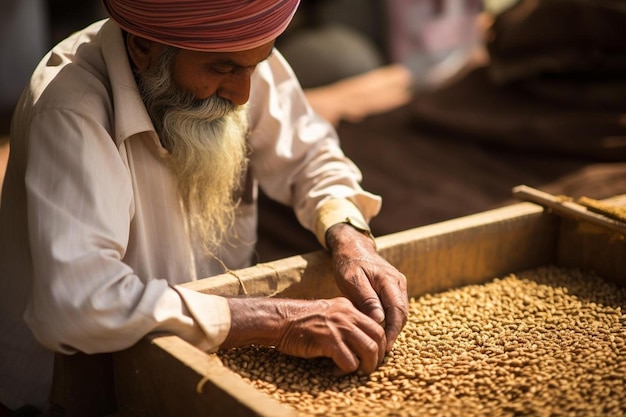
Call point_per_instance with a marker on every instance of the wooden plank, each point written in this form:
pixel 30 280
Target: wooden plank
pixel 473 249
pixel 566 207
pixel 265 279
pixel 461 251
pixel 593 247
pixel 166 376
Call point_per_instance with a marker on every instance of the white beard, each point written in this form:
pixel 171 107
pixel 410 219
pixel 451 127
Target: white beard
pixel 206 141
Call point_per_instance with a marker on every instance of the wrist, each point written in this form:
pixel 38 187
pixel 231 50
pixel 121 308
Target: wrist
pixel 346 235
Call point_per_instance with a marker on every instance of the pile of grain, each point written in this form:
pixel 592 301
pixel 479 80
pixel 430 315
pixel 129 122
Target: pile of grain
pixel 543 342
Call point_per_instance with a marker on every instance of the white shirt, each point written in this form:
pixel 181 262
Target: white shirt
pixel 92 236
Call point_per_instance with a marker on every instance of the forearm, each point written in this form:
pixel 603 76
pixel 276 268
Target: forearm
pixel 259 321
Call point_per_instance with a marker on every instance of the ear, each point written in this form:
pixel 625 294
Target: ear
pixel 143 52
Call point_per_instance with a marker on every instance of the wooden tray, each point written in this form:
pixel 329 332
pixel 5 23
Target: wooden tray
pixel 165 376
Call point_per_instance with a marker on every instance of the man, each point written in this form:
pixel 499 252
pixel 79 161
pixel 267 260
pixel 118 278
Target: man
pixel 135 156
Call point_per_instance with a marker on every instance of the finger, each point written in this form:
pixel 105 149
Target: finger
pixel 368 343
pixel 345 360
pixel 396 319
pixel 376 332
pixel 394 296
pixel 365 298
pixel 372 307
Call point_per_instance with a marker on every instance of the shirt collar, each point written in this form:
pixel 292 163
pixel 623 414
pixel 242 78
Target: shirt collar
pixel 131 116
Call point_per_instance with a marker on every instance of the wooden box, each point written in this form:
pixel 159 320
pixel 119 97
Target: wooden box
pixel 165 376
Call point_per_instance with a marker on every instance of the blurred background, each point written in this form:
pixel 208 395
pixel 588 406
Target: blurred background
pixel 28 29
pixel 327 41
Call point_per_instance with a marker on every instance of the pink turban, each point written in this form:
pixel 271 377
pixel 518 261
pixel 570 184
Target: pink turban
pixel 204 25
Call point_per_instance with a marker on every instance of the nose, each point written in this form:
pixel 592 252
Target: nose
pixel 236 87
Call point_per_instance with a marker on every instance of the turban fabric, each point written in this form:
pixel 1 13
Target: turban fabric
pixel 204 25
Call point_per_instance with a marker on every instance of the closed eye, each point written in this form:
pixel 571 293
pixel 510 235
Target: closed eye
pixel 223 68
pixel 229 67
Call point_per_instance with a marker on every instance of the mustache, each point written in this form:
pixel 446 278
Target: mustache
pixel 183 100
pixel 214 105
pixel 180 101
pixel 162 96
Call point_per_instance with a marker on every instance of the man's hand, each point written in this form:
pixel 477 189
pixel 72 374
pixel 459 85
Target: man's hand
pixel 309 328
pixel 376 287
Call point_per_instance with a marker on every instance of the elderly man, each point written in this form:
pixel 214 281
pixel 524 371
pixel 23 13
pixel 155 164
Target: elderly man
pixel 136 151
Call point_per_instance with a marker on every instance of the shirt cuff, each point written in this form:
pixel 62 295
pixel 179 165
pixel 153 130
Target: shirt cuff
pixel 211 313
pixel 331 213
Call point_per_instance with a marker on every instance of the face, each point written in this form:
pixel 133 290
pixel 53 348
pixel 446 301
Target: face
pixel 205 136
pixel 226 75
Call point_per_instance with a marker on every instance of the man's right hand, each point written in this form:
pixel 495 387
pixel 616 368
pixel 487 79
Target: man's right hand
pixel 331 328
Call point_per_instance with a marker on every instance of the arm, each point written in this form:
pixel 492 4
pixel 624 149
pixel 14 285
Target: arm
pixel 80 207
pixel 299 162
pixel 376 287
pixel 309 328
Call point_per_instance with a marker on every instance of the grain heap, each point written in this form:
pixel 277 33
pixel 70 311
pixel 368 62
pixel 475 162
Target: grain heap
pixel 544 342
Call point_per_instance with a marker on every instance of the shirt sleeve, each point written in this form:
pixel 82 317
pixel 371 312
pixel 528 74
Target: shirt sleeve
pixel 80 204
pixel 332 212
pixel 296 155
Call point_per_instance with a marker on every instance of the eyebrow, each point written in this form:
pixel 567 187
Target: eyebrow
pixel 228 61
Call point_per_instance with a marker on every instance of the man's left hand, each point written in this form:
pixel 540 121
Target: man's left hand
pixel 375 287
